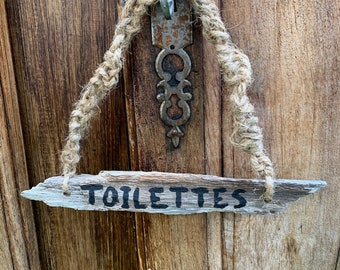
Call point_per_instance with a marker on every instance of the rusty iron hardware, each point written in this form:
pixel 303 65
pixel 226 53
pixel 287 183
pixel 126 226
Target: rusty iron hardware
pixel 172 36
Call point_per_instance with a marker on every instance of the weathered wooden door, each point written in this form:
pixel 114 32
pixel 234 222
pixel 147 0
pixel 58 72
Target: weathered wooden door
pixel 50 48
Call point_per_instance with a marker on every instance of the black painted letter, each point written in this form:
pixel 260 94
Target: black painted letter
pixel 136 200
pixel 126 191
pixel 237 196
pixel 179 191
pixel 155 198
pixel 91 189
pixel 217 198
pixel 200 191
pixel 114 196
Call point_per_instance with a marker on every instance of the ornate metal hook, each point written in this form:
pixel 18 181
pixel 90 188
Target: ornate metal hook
pixel 168 8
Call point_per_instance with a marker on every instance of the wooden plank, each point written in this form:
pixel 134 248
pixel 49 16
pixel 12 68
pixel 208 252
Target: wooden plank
pixel 19 249
pixel 56 47
pixel 169 193
pixel 154 153
pixel 212 93
pixel 292 47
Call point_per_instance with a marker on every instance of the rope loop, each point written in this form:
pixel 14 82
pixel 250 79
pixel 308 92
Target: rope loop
pixel 235 68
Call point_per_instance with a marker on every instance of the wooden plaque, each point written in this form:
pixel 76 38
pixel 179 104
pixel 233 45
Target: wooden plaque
pixel 169 193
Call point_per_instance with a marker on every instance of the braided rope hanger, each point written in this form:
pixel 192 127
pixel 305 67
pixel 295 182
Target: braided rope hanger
pixel 235 67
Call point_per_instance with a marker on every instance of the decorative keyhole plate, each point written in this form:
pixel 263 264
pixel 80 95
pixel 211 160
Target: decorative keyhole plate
pixel 172 36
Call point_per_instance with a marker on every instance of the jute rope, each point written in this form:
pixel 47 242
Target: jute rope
pixel 236 70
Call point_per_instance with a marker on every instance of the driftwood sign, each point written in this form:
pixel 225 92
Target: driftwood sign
pixel 169 193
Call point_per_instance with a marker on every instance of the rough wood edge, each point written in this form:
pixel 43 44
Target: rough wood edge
pixel 169 193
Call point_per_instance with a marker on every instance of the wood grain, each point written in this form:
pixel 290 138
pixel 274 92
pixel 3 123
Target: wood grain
pixel 154 152
pixel 293 47
pixel 19 249
pixel 56 47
